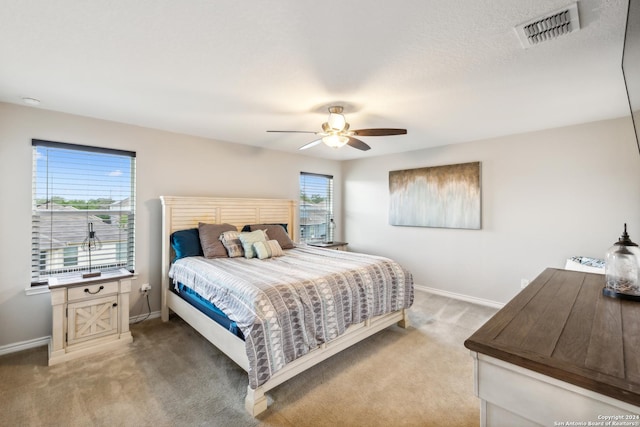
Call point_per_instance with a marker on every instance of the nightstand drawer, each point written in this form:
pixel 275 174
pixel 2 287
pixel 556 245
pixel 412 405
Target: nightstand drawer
pixel 91 291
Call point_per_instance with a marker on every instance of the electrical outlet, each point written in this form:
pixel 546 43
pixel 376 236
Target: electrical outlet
pixel 524 283
pixel 145 288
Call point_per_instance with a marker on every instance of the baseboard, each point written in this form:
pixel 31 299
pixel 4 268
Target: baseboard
pixel 461 297
pixel 39 342
pixel 141 317
pixel 24 345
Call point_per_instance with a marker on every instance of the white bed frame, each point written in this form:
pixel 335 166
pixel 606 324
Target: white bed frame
pixel 179 213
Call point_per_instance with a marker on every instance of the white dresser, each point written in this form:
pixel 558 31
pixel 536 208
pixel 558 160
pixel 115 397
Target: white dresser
pixel 560 353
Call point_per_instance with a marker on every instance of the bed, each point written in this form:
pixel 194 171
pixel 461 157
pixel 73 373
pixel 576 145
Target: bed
pixel 321 320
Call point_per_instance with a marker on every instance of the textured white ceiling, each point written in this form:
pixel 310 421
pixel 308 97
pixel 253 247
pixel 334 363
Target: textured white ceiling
pixel 448 71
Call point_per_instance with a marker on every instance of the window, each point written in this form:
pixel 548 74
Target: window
pixel 316 207
pixel 70 256
pixel 83 210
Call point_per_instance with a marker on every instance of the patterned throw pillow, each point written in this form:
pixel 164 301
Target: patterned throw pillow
pixel 268 249
pixel 231 242
pixel 248 239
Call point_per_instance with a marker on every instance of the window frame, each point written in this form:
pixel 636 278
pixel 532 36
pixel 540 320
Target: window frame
pixel 313 218
pixel 69 216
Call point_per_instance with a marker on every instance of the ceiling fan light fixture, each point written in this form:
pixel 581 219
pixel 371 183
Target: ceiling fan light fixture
pixel 335 141
pixel 336 121
pixel 335 132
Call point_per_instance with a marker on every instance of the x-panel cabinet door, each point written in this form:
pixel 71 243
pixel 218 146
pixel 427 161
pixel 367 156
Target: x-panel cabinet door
pixel 92 318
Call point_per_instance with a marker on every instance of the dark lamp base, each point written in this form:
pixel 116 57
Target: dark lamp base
pixel 89 275
pixel 613 294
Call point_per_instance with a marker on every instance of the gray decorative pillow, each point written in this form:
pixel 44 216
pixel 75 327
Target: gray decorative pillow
pixel 210 239
pixel 232 243
pixel 248 239
pixel 275 232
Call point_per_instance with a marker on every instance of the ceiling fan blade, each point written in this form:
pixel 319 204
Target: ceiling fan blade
pixel 356 143
pixel 380 132
pixel 311 144
pixel 293 131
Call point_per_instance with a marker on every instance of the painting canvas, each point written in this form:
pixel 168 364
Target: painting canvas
pixel 440 196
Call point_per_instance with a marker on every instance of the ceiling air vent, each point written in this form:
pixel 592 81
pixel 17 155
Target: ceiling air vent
pixel 550 26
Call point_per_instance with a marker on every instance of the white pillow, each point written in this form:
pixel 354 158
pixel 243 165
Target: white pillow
pixel 268 249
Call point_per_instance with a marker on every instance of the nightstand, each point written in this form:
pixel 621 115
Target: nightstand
pixel 338 246
pixel 89 316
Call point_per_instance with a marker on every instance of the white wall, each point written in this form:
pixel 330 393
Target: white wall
pixel 167 164
pixel 546 196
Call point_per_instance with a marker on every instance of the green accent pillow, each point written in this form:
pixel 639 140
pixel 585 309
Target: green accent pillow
pixel 248 239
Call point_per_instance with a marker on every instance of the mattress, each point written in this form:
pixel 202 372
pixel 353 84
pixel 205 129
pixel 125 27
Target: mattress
pixel 290 305
pixel 208 308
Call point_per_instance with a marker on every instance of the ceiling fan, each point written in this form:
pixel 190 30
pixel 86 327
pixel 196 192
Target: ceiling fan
pixel 335 132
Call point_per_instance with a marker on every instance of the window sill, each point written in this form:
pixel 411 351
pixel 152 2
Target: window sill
pixel 37 290
pixel 110 275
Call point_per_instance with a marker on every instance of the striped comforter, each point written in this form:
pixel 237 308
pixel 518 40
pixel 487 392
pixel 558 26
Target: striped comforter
pixel 289 305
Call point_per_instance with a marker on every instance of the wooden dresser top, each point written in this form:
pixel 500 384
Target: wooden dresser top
pixel 562 326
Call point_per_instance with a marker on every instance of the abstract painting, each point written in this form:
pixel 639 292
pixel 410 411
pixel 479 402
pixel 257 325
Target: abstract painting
pixel 440 196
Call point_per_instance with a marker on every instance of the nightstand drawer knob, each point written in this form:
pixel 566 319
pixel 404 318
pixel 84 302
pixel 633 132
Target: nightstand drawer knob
pixel 93 293
pixel 115 304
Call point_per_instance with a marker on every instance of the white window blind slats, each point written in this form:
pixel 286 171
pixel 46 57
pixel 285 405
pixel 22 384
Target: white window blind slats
pixel 83 210
pixel 316 207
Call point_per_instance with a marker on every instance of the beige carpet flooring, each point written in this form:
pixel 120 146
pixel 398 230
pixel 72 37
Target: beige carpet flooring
pixel 171 376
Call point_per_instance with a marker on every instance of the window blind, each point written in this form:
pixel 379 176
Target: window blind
pixel 83 210
pixel 316 207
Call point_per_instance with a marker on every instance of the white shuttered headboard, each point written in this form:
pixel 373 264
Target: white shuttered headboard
pixel 180 213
